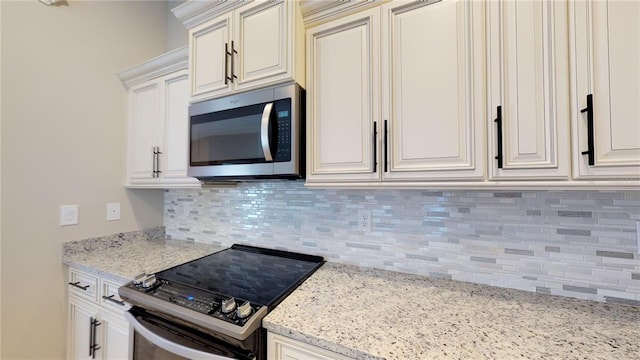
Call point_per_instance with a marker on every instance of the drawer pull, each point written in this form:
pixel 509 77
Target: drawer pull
pixel 110 298
pixel 77 284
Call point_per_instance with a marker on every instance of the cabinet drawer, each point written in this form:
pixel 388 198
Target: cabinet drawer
pixel 109 297
pixel 83 284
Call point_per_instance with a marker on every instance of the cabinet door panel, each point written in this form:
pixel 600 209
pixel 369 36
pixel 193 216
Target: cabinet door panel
pixel 208 57
pixel 430 76
pixel 606 63
pixel 262 32
pixel 342 98
pixel 529 80
pixel 176 131
pixel 143 130
pixel 79 324
pixel 115 337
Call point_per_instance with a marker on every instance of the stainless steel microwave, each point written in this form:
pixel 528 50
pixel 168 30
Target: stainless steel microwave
pixel 253 135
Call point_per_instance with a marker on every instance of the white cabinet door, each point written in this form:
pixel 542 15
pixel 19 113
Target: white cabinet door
pixel 80 317
pixel 528 91
pixel 283 348
pixel 210 65
pixel 342 99
pixel 143 130
pixel 175 146
pixel 263 31
pixel 605 67
pixel 433 89
pixel 114 337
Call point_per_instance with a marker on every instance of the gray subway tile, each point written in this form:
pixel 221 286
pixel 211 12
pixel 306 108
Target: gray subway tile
pixel 635 276
pixel 440 275
pixel 616 300
pixel 518 252
pixel 614 254
pixel 580 289
pixel 507 194
pixel 483 259
pixel 579 214
pixel 543 290
pixel 534 212
pixel 364 246
pixel 574 232
pixel 552 248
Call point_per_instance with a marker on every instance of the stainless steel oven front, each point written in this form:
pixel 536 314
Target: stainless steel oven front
pixel 160 338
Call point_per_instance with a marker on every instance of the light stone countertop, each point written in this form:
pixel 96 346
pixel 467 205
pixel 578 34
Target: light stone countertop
pixel 374 314
pixel 123 256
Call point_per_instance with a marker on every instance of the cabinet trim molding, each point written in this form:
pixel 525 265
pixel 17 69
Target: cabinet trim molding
pixel 316 12
pixel 194 13
pixel 158 66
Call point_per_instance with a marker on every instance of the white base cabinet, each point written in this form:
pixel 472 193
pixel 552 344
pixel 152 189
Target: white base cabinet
pixel 158 131
pixel 96 327
pixel 284 348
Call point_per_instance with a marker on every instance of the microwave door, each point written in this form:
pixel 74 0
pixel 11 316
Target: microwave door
pixel 266 132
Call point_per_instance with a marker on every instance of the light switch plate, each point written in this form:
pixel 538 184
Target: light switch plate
pixel 113 211
pixel 68 215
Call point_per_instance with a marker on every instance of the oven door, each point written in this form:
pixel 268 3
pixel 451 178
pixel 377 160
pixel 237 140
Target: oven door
pixel 157 338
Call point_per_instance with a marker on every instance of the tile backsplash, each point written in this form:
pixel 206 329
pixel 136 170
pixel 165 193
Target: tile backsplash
pixel 573 243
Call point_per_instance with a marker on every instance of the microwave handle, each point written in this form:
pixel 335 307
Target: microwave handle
pixel 264 132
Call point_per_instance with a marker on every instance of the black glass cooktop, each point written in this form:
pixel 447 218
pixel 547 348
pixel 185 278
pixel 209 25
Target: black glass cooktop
pixel 260 276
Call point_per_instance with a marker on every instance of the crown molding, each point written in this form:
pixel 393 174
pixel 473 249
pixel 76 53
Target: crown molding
pixel 164 64
pixel 195 12
pixel 316 12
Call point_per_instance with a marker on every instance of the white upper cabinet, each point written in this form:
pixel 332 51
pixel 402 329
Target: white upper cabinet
pixel 528 78
pixel 605 71
pixel 433 90
pixel 251 46
pixel 158 131
pixel 342 99
pixel 427 124
pixel 209 45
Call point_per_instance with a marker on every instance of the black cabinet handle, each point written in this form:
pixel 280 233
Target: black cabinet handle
pixel 77 284
pixel 91 329
pixel 110 298
pixel 154 162
pixel 498 121
pixel 386 146
pixel 158 153
pixel 92 337
pixel 226 63
pixel 591 148
pixel 233 61
pixel 375 147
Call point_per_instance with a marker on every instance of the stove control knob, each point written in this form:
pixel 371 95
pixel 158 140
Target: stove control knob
pixel 244 310
pixel 138 279
pixel 149 281
pixel 228 305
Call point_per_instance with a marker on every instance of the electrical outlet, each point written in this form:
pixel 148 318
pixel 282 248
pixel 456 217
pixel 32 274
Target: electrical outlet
pixel 113 211
pixel 68 215
pixel 364 220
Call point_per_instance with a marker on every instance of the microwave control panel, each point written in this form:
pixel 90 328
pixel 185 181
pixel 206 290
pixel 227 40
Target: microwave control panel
pixel 283 131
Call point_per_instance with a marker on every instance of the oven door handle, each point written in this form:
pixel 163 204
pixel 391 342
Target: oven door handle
pixel 264 131
pixel 170 346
